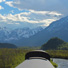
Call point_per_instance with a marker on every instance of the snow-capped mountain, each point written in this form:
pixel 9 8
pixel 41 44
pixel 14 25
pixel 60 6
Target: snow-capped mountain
pixel 6 34
pixel 37 36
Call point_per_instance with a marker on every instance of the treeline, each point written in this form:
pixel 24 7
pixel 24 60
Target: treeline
pixel 10 58
pixel 58 53
pixel 7 45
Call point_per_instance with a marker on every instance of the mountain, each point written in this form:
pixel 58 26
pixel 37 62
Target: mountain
pixel 58 29
pixel 7 35
pixel 7 45
pixel 38 36
pixel 55 43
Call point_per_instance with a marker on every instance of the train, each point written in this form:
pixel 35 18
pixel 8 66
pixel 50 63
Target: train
pixel 36 59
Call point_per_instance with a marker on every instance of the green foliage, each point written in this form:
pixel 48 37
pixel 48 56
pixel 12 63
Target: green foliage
pixel 10 58
pixel 58 53
pixel 54 64
pixel 30 47
pixel 55 44
pixel 63 47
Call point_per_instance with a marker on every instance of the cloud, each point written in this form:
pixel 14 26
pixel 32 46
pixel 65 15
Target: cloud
pixel 10 3
pixel 28 4
pixel 45 12
pixel 2 1
pixel 1 8
pixel 40 5
pixel 47 22
pixel 38 13
pixel 37 18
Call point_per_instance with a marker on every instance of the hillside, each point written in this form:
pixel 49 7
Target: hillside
pixel 7 45
pixel 55 44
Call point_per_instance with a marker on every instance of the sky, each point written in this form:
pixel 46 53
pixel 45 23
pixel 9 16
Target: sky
pixel 31 13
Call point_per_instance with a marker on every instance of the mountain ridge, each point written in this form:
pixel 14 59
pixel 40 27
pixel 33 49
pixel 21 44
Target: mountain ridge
pixel 57 28
pixel 7 35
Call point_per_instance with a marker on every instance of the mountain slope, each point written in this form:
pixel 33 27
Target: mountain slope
pixel 56 29
pixel 38 37
pixel 7 35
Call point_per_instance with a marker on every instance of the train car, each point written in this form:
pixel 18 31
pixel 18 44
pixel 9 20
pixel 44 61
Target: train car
pixel 36 59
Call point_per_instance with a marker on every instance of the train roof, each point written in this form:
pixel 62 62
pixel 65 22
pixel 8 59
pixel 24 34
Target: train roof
pixel 37 54
pixel 35 63
pixel 36 59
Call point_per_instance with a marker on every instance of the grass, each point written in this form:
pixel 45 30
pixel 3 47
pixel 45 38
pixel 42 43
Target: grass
pixel 10 58
pixel 58 53
pixel 53 63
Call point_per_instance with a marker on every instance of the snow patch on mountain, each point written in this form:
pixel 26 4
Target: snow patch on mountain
pixel 6 34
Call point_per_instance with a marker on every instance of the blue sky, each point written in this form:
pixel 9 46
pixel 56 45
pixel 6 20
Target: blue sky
pixel 24 13
pixel 8 9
